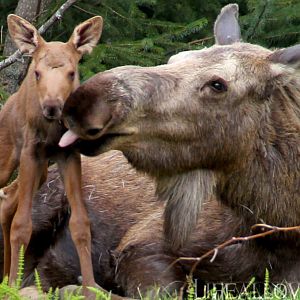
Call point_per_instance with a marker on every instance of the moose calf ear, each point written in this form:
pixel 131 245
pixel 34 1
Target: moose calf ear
pixel 24 34
pixel 290 55
pixel 227 30
pixel 86 35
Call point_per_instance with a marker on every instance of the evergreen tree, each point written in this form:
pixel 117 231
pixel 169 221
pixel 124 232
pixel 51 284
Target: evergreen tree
pixel 274 23
pixel 147 32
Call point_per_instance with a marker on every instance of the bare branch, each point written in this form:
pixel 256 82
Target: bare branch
pixel 263 229
pixel 201 40
pixel 259 18
pixel 57 16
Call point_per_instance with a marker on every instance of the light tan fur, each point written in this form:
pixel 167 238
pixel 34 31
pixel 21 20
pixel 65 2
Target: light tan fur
pixel 30 129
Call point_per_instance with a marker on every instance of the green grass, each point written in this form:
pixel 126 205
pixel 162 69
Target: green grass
pixel 276 293
pixel 270 292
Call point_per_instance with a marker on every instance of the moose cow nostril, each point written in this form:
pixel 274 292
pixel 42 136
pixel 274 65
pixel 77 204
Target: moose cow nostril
pixel 93 131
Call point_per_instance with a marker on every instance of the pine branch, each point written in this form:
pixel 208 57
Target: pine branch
pixel 201 41
pixel 57 16
pixel 258 21
pixel 84 10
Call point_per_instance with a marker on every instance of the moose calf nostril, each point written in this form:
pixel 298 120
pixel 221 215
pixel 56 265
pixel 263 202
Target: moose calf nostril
pixel 93 131
pixel 52 111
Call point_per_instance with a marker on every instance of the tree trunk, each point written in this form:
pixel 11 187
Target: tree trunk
pixel 12 76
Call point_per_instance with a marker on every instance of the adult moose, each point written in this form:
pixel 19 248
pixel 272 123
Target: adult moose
pixel 222 123
pixel 30 129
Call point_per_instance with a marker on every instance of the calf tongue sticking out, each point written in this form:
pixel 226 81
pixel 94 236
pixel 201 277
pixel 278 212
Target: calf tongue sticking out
pixel 68 138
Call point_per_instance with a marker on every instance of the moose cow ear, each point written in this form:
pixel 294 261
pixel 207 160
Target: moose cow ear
pixel 24 34
pixel 86 35
pixel 227 30
pixel 290 55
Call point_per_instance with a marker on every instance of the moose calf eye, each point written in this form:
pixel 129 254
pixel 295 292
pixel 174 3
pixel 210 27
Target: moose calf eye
pixel 72 75
pixel 37 75
pixel 218 86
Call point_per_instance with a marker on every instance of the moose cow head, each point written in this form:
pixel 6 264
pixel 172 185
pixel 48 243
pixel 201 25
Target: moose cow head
pixel 222 122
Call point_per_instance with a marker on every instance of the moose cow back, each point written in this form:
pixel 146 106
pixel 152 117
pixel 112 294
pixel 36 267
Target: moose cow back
pixel 130 254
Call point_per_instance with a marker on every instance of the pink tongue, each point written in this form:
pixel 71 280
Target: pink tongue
pixel 68 138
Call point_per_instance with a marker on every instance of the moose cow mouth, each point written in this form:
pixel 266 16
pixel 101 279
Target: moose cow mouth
pixel 68 138
pixel 97 146
pixel 89 147
pixel 91 133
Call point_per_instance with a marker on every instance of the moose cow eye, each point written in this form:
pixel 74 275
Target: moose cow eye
pixel 218 85
pixel 37 75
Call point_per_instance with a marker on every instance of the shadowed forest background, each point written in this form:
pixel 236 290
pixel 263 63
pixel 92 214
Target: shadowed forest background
pixel 147 32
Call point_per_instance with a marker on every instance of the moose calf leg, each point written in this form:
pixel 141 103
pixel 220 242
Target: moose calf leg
pixel 79 221
pixel 7 165
pixel 30 174
pixel 8 209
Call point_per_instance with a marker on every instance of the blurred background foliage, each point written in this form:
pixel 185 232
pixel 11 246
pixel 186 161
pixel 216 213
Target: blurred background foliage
pixel 148 32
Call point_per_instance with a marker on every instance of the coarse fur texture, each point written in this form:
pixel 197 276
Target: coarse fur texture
pixel 129 252
pixel 228 114
pixel 116 199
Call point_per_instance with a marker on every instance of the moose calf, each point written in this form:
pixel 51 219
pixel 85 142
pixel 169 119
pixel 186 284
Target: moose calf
pixel 30 129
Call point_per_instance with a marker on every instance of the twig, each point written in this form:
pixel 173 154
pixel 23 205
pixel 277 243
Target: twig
pixel 1 35
pixel 201 40
pixel 181 291
pixel 115 12
pixel 57 16
pixel 260 17
pixel 84 10
pixel 264 229
pixel 280 35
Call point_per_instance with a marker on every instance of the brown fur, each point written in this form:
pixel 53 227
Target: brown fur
pixel 129 252
pixel 170 121
pixel 30 131
pixel 111 199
